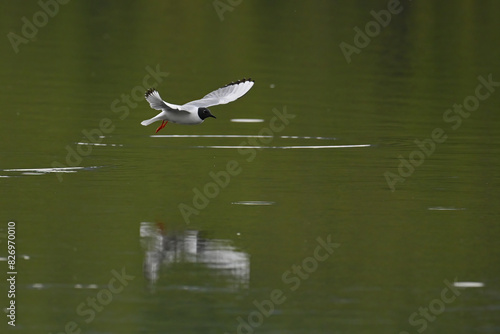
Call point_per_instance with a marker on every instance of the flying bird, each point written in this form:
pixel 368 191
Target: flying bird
pixel 196 111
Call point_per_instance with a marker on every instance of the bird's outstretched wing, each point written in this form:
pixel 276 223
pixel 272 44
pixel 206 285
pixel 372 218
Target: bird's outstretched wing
pixel 226 94
pixel 155 101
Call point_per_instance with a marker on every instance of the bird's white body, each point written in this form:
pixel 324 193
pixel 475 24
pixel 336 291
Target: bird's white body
pixel 194 112
pixel 176 116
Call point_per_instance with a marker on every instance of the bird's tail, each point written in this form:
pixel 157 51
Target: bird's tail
pixel 149 121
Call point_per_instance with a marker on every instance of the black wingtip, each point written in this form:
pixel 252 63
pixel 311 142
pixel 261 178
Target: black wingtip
pixel 149 92
pixel 239 81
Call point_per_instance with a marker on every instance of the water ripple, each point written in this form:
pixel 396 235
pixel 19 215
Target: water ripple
pixel 45 170
pixel 254 203
pixel 285 147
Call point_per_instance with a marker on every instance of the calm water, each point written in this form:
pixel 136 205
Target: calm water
pixel 358 199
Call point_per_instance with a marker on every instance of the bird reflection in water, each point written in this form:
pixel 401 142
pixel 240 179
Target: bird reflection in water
pixel 163 249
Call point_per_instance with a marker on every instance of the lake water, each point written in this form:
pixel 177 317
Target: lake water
pixel 354 189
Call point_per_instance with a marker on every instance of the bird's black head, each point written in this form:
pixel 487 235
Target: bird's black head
pixel 204 113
